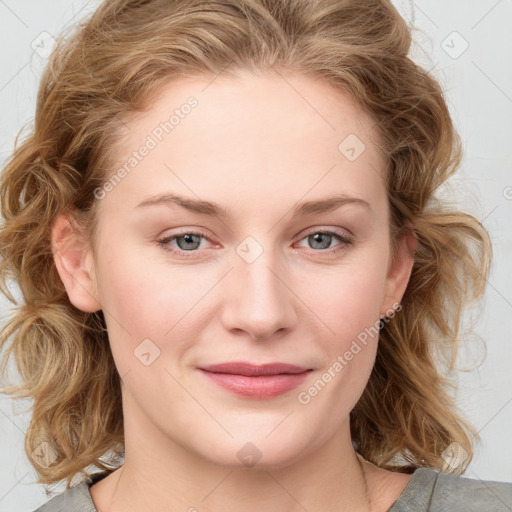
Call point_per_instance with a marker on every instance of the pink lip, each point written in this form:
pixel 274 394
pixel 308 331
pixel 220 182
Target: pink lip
pixel 265 381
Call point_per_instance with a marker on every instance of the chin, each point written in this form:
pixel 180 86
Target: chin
pixel 260 454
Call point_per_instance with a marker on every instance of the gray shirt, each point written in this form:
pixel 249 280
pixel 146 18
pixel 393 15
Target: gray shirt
pixel 427 491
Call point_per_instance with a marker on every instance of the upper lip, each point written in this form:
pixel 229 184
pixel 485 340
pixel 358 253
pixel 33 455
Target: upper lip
pixel 250 370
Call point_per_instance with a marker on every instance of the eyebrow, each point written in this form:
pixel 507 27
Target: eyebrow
pixel 213 209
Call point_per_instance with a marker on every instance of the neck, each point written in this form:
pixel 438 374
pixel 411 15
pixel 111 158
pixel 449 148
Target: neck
pixel 285 490
pixel 159 474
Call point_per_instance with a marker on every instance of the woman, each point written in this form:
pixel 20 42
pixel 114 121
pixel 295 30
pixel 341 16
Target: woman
pixel 234 266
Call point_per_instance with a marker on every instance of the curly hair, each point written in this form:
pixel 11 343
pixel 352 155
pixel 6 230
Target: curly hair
pixel 111 65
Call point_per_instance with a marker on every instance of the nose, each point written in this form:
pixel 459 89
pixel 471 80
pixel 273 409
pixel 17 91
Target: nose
pixel 259 299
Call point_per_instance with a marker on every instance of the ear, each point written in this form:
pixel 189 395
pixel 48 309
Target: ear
pixel 75 265
pixel 399 271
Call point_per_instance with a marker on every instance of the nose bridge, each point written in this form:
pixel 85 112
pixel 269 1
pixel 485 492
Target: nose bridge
pixel 260 302
pixel 257 267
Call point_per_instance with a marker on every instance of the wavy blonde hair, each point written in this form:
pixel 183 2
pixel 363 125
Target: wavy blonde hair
pixel 110 66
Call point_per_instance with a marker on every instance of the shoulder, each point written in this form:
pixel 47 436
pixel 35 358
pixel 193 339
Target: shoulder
pixel 74 499
pixel 432 491
pixel 461 493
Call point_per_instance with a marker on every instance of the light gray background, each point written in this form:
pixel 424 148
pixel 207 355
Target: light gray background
pixel 478 85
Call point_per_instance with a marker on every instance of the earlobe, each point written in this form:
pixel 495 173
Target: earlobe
pixel 399 272
pixel 73 260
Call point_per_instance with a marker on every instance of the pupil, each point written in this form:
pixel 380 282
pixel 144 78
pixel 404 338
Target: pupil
pixel 189 239
pixel 319 237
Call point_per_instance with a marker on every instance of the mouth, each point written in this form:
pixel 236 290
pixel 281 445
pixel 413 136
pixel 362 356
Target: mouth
pixel 258 382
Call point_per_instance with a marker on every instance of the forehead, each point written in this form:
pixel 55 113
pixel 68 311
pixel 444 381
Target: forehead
pixel 283 135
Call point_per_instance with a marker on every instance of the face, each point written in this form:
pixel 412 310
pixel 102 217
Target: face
pixel 251 267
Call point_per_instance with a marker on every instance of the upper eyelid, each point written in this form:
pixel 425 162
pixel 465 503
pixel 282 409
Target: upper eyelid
pixel 328 230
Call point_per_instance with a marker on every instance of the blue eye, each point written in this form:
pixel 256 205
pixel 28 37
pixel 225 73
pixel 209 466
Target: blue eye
pixel 322 240
pixel 190 241
pixel 187 241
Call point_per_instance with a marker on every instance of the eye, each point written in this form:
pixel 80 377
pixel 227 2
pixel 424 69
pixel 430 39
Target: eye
pixel 187 241
pixel 321 240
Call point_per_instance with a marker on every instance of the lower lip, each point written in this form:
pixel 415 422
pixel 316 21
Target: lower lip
pixel 260 387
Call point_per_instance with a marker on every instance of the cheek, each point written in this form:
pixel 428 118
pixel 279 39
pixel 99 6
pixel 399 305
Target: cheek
pixel 350 310
pixel 348 297
pixel 140 302
pixel 142 291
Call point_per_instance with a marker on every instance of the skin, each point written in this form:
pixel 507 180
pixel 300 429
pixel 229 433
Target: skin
pixel 256 146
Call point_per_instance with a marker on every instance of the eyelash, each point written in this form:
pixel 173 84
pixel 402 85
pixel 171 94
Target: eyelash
pixel 342 237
